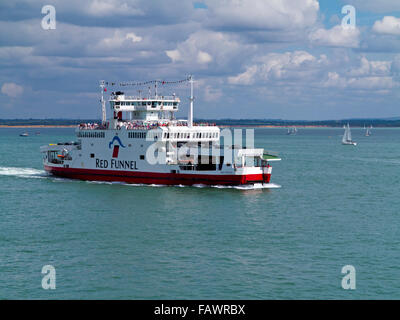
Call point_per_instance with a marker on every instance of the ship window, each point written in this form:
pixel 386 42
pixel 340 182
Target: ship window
pixel 92 155
pixel 142 157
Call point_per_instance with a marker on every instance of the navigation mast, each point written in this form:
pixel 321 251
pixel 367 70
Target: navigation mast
pixel 103 103
pixel 190 115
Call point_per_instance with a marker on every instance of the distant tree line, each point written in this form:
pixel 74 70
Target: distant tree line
pixel 328 123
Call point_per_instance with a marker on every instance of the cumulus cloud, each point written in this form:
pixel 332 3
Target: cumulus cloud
pixel 205 47
pixel 261 14
pixel 336 37
pixel 278 66
pixel 101 8
pixel 388 25
pixel 359 83
pixel 371 68
pixel 12 89
pixel 118 39
pixel 370 75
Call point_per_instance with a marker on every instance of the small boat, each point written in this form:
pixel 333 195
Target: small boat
pixel 25 134
pixel 368 132
pixel 291 131
pixel 347 136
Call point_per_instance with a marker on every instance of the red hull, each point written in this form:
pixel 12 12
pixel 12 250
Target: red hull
pixel 156 178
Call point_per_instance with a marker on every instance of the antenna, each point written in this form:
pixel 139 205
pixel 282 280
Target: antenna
pixel 190 115
pixel 103 103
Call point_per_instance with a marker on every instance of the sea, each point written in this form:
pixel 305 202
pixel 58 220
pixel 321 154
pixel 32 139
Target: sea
pixel 328 206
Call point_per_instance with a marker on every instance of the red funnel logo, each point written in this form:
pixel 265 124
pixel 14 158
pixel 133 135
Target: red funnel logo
pixel 116 147
pixel 115 152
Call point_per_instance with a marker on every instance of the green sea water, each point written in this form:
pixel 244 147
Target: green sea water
pixel 337 205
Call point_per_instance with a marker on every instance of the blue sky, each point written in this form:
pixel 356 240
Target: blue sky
pixel 251 58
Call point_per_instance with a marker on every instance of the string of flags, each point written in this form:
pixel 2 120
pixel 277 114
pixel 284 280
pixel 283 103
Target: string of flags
pixel 162 82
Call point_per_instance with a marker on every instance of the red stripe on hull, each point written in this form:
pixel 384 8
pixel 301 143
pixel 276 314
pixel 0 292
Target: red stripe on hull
pixel 156 178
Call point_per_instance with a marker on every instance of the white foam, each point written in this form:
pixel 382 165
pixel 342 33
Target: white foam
pixel 22 172
pixel 255 186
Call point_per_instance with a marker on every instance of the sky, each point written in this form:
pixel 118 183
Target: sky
pixel 251 59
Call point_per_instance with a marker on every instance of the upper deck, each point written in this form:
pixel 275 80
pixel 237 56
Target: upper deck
pixel 144 125
pixel 121 102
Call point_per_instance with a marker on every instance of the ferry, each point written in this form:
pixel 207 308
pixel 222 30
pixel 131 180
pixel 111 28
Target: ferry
pixel 142 142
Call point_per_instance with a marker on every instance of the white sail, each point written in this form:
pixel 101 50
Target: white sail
pixel 348 133
pixel 344 139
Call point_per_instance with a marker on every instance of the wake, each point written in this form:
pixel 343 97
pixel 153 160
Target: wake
pixel 23 172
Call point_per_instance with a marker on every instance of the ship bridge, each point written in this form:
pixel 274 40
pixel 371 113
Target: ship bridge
pixel 140 108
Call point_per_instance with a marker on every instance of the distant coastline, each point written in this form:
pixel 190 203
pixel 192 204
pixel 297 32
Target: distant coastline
pixel 232 123
pixel 37 126
pixel 221 126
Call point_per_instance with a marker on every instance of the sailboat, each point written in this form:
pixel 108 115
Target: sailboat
pixel 368 132
pixel 292 131
pixel 347 136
